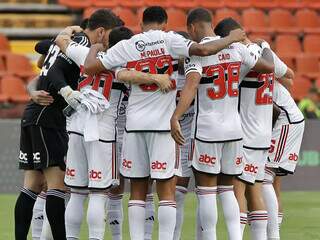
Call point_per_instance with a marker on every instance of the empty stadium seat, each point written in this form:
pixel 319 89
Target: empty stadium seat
pixel 130 19
pixel 255 20
pixel 4 43
pixel 212 5
pixel 308 20
pixel 163 3
pixel 3 68
pixel 76 4
pixel 176 19
pixel 290 61
pixel 88 11
pixel 290 4
pixel 281 20
pixel 308 65
pixel 311 44
pixel 19 65
pixel 183 4
pixel 266 37
pixel 300 87
pixel 265 4
pixel 238 4
pixel 14 88
pixel 225 13
pixel 288 45
pixel 104 3
pixel 131 4
pixel 311 4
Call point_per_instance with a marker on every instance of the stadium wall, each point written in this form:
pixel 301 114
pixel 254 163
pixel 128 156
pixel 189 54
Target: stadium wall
pixel 307 176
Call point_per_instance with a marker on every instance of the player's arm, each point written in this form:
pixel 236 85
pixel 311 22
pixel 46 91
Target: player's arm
pixel 275 114
pixel 265 63
pixel 286 82
pixel 40 97
pixel 41 61
pixel 214 47
pixel 92 64
pixel 64 37
pixel 136 77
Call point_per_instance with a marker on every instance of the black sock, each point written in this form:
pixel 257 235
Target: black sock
pixel 23 213
pixel 55 208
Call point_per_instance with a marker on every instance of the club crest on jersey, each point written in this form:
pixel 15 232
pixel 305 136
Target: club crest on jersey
pixel 140 45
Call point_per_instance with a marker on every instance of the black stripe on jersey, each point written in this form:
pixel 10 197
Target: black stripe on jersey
pixel 256 148
pixel 165 69
pixel 222 141
pixel 189 43
pixel 239 100
pixel 251 84
pixel 100 140
pixel 147 131
pixel 287 114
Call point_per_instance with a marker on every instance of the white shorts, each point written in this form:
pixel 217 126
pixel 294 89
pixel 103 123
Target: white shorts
pixel 153 154
pixel 215 158
pixel 91 164
pixel 285 146
pixel 185 160
pixel 254 165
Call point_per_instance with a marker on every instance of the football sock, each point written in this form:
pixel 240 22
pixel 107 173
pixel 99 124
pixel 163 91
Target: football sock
pixel 115 215
pixel 46 233
pixel 270 199
pixel 74 213
pixel 231 211
pixel 258 225
pixel 243 222
pixel 137 216
pixel 280 218
pixel 198 226
pixel 180 197
pixel 150 215
pixel 207 204
pixel 96 215
pixel 55 208
pixel 37 217
pixel 23 213
pixel 167 219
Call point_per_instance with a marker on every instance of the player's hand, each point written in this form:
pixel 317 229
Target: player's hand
pixel 176 132
pixel 99 47
pixel 163 81
pixel 237 35
pixel 71 97
pixel 41 97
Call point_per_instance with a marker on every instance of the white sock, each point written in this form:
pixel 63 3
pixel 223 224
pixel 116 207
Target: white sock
pixel 74 213
pixel 115 215
pixel 167 219
pixel 231 211
pixel 180 197
pixel 258 225
pixel 96 215
pixel 37 216
pixel 198 226
pixel 207 204
pixel 137 217
pixel 150 216
pixel 243 222
pixel 280 218
pixel 270 199
pixel 46 233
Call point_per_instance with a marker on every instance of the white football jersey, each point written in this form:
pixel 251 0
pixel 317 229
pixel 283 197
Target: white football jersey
pixel 256 103
pixel 155 52
pixel 106 84
pixel 289 109
pixel 216 103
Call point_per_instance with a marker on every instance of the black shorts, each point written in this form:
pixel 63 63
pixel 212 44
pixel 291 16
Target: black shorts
pixel 42 147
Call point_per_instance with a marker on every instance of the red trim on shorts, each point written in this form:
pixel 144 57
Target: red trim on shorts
pixel 282 142
pixel 176 166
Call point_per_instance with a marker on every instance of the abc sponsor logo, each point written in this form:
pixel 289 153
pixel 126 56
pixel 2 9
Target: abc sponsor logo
pixel 127 163
pixel 239 160
pixel 95 175
pixel 251 168
pixel 158 166
pixel 23 156
pixel 207 159
pixel 70 172
pixel 293 157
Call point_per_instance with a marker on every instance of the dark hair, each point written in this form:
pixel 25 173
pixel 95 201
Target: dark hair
pixel 184 34
pixel 225 26
pixel 104 18
pixel 84 23
pixel 154 14
pixel 119 33
pixel 199 15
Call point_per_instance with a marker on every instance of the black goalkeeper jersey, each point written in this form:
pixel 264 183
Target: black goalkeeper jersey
pixel 58 71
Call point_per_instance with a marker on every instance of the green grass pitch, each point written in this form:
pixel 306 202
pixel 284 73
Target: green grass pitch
pixel 301 220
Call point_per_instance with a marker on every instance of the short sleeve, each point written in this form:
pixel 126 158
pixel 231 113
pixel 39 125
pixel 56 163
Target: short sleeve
pixel 193 64
pixel 43 46
pixel 77 53
pixel 280 68
pixel 249 58
pixel 115 56
pixel 178 45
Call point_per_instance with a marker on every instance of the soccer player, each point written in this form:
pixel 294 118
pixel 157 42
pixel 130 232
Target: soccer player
pixel 286 140
pixel 217 135
pixel 148 149
pixel 256 109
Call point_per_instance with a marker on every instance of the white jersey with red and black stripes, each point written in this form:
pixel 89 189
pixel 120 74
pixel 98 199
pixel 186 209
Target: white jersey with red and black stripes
pixel 155 52
pixel 256 94
pixel 216 105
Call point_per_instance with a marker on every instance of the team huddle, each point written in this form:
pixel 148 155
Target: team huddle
pixel 157 107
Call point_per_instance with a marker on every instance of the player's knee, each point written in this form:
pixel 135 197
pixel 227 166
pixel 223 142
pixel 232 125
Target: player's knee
pixel 183 181
pixel 166 189
pixel 34 181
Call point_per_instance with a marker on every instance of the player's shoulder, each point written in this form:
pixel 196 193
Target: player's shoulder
pixel 255 48
pixel 209 39
pixel 82 39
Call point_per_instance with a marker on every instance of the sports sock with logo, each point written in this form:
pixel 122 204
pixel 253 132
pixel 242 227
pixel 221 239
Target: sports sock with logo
pixel 137 216
pixel 231 211
pixel 207 204
pixel 115 215
pixel 37 217
pixel 270 199
pixel 23 213
pixel 96 215
pixel 258 225
pixel 180 197
pixel 280 218
pixel 243 222
pixel 150 215
pixel 74 212
pixel 167 219
pixel 55 208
